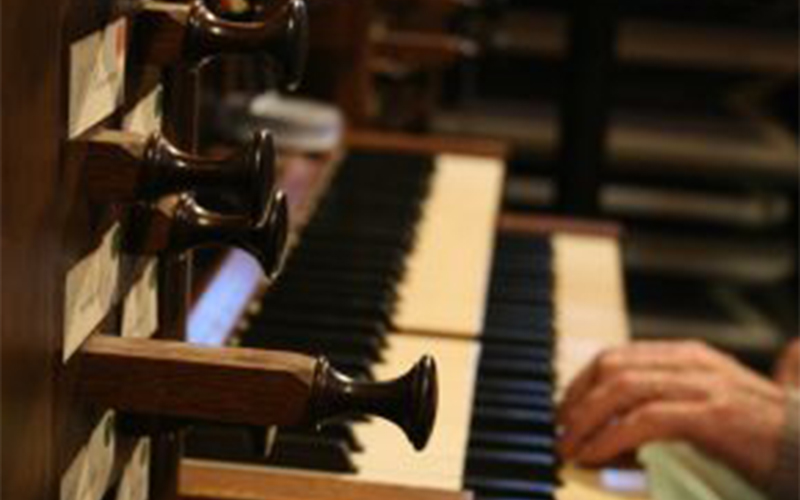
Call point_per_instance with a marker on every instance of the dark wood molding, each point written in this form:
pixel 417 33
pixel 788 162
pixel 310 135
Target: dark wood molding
pixel 426 144
pixel 209 481
pixel 545 224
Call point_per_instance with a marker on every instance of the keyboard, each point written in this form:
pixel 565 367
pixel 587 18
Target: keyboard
pixel 407 254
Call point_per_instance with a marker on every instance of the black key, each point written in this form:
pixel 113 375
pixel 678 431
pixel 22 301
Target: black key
pixel 500 439
pixel 531 387
pixel 510 399
pixel 533 353
pixel 334 304
pixel 512 368
pixel 511 464
pixel 498 487
pixel 510 419
pixel 322 322
pixel 315 453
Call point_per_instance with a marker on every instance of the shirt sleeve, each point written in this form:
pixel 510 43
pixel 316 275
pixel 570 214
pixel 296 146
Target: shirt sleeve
pixel 784 482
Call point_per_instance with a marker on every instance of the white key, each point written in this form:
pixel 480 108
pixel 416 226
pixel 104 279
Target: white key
pixel 590 300
pixel 445 286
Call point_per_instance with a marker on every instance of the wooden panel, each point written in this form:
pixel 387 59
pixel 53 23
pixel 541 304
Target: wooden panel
pixel 31 223
pixel 47 226
pixel 214 481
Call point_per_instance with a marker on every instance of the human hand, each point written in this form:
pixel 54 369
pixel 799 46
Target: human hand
pixel 657 391
pixel 787 368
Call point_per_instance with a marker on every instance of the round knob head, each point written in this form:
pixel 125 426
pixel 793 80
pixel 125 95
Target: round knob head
pixel 194 226
pixel 260 161
pixel 279 32
pixel 410 401
pixel 296 45
pixel 422 385
pixel 272 236
pixel 246 178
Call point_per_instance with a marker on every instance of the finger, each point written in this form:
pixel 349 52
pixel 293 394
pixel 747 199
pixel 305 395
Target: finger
pixel 639 356
pixel 621 395
pixel 605 364
pixel 682 354
pixel 675 355
pixel 654 421
pixel 576 389
pixel 787 369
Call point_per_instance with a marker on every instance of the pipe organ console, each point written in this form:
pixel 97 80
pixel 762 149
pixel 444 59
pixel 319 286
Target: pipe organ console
pixel 111 194
pixel 406 259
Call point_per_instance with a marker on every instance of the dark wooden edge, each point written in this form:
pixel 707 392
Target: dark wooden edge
pixel 200 480
pixel 431 144
pixel 546 224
